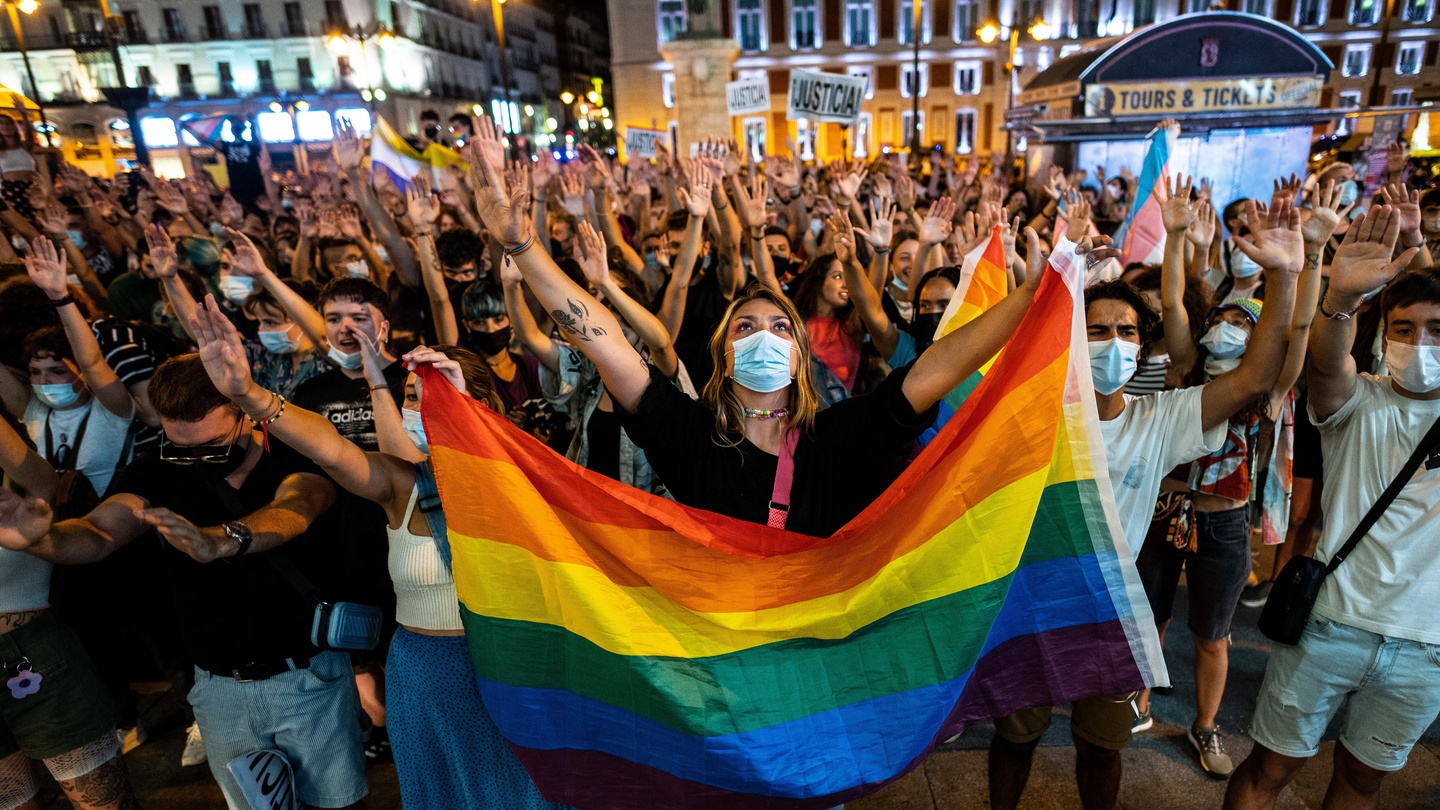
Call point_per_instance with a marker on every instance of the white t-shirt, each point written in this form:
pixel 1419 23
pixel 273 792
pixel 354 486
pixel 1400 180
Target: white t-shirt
pixel 1153 435
pixel 101 445
pixel 1390 584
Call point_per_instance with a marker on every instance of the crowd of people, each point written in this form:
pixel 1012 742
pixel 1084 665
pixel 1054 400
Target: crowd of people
pixel 756 340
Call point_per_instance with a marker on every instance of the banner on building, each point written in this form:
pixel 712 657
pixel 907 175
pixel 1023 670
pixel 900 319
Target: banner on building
pixel 643 143
pixel 1210 95
pixel 824 97
pixel 748 96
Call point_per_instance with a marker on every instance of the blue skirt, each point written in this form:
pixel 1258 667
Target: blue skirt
pixel 448 753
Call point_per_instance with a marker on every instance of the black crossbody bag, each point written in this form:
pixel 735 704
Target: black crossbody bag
pixel 1293 595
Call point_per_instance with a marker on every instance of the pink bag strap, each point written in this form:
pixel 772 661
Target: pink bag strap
pixel 784 477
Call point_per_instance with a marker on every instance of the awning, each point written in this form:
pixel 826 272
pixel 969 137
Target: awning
pixel 8 98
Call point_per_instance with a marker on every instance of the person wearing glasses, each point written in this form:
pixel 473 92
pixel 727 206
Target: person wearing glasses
pixel 229 499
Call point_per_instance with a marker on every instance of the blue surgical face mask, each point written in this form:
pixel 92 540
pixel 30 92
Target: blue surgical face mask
pixel 1242 266
pixel 278 341
pixel 652 262
pixel 358 269
pixel 1225 341
pixel 56 395
pixel 77 238
pixel 351 360
pixel 415 429
pixel 216 229
pixel 382 253
pixel 237 288
pixel 1112 363
pixel 1348 192
pixel 762 361
pixel 816 226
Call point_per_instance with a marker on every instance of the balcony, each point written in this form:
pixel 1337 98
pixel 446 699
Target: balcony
pixel 169 34
pixel 216 32
pixel 295 28
pixel 256 31
pixel 83 41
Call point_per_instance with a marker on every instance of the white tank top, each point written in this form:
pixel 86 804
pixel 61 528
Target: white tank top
pixel 16 160
pixel 424 589
pixel 24 581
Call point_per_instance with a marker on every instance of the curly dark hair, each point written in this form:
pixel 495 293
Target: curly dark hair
pixel 1125 293
pixel 458 247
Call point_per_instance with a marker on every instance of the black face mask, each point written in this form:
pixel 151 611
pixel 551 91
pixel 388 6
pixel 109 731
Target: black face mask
pixel 491 343
pixel 922 328
pixel 784 267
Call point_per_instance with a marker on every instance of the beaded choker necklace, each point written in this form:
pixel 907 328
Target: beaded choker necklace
pixel 762 413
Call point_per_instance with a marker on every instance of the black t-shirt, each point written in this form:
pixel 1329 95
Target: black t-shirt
pixel 857 448
pixel 603 453
pixel 242 163
pixel 239 611
pixel 704 310
pixel 345 401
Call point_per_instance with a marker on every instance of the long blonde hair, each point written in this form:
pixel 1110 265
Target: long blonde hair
pixel 719 394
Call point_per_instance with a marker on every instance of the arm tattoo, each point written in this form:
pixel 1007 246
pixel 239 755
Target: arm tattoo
pixel 10 620
pixel 576 319
pixel 1312 261
pixel 107 786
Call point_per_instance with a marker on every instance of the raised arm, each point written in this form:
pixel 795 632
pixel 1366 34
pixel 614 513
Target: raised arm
pixel 597 176
pixel 1362 265
pixel 1406 202
pixel 591 327
pixel 1178 214
pixel 593 260
pixel 533 339
pixel 349 154
pixel 47 270
pixel 883 333
pixel 1316 225
pixel 248 262
pixel 51 217
pixel 423 212
pixel 25 467
pixel 373 476
pixel 26 525
pixel 879 234
pixel 696 200
pixel 750 206
pixel 933 231
pixel 1276 244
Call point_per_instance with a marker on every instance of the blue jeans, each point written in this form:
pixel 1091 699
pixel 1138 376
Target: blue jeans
pixel 1388 687
pixel 310 715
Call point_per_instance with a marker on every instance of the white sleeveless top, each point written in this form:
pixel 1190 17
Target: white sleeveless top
pixel 16 160
pixel 424 589
pixel 24 581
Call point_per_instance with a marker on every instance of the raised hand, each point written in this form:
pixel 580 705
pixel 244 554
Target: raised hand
pixel 1201 232
pixel 1274 242
pixel 247 262
pixel 572 195
pixel 231 213
pixel 348 151
pixel 730 158
pixel 905 192
pixel 1206 189
pixel 593 259
pixel 843 236
pixel 23 521
pixel 46 267
pixel 1319 221
pixel 1077 215
pixel 305 216
pixel 750 203
pixel 501 207
pixel 221 350
pixel 52 218
pixel 488 146
pixel 162 251
pixel 545 169
pixel 882 225
pixel 1406 202
pixel 1174 201
pixel 347 221
pixel 696 198
pixel 786 175
pixel 1396 156
pixel 420 202
pixel 170 198
pixel 449 369
pixel 664 163
pixel 937 223
pixel 597 174
pixel 1363 263
pixel 849 182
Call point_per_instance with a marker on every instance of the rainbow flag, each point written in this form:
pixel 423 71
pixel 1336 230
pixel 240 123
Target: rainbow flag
pixel 1141 236
pixel 637 653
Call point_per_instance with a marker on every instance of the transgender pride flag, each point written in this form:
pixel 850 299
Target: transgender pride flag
pixel 1141 236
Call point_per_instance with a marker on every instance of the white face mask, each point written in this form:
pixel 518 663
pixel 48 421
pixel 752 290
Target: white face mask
pixel 1112 364
pixel 237 288
pixel 1225 341
pixel 351 360
pixel 1242 266
pixel 358 269
pixel 415 429
pixel 1415 368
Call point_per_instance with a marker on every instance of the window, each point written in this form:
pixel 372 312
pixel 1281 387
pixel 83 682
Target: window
pixel 335 14
pixel 908 86
pixel 967 19
pixel 1357 60
pixel 1044 55
pixel 859 23
pixel 863 72
pixel 266 75
pixel 667 89
pixel 805 139
pixel 912 131
pixel 214 23
pixel 804 24
pixel 1400 97
pixel 185 80
pixel 861 147
pixel 227 79
pixel 305 72
pixel 144 77
pixel 344 71
pixel 906 19
pixel 670 19
pixel 1087 19
pixel 134 31
pixel 755 137
pixel 158 132
pixel 964 131
pixel 1144 12
pixel 750 25
pixel 1364 12
pixel 294 20
pixel 254 21
pixel 1028 11
pixel 967 78
pixel 1419 11
pixel 174 27
pixel 1311 13
pixel 1347 99
pixel 1261 7
pixel 1408 62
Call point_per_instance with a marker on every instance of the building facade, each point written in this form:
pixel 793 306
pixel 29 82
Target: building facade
pixel 315 60
pixel 963 83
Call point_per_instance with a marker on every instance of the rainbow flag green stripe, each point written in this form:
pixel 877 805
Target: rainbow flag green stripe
pixel 640 653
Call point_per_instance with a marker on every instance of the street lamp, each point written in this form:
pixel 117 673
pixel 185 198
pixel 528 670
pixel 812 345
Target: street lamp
pixel 339 38
pixel 1038 30
pixel 29 7
pixel 915 36
pixel 498 8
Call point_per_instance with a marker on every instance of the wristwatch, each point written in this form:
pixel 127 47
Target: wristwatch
pixel 240 533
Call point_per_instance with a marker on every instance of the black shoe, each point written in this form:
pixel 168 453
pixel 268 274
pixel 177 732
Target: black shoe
pixel 1255 596
pixel 377 749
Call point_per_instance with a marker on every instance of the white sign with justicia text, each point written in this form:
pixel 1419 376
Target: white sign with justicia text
pixel 824 97
pixel 748 96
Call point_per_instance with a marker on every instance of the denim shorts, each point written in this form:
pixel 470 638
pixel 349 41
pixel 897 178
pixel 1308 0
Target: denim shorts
pixel 1215 573
pixel 310 715
pixel 1389 689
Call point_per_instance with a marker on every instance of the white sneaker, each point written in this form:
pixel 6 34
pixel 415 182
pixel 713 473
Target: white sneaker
pixel 131 738
pixel 194 753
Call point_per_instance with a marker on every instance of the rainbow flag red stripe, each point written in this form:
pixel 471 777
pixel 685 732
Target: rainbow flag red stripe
pixel 635 652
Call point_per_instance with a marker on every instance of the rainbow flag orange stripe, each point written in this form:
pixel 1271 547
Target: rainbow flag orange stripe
pixel 638 653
